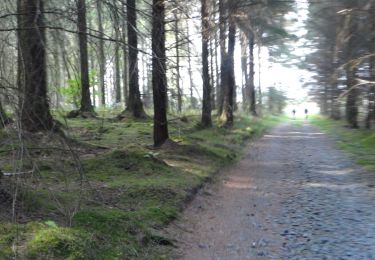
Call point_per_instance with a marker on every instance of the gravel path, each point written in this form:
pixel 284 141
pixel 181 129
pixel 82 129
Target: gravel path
pixel 294 196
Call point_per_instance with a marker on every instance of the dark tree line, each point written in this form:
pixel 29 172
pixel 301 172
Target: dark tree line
pixel 343 36
pixel 58 46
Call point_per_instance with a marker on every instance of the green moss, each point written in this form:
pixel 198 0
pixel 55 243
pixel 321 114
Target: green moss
pixel 129 191
pixel 9 235
pixel 55 242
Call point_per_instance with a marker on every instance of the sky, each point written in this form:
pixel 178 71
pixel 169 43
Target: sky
pixel 290 79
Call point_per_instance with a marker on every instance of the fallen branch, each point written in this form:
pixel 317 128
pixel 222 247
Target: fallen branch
pixel 11 174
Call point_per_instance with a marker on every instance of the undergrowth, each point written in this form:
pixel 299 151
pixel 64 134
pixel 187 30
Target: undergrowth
pixel 131 190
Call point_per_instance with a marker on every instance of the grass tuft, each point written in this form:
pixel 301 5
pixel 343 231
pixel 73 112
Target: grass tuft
pixel 359 143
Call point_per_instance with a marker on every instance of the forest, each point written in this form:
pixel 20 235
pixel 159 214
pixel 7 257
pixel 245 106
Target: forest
pixel 114 114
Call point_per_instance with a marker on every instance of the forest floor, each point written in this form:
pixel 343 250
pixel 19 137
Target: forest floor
pixel 295 195
pixel 105 192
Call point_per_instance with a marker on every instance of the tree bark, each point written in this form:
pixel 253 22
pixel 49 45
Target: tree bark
pixel 125 73
pixel 86 105
pixel 178 73
pixel 101 54
pixel 117 77
pixel 370 119
pixel 351 102
pixel 217 76
pixel 135 105
pixel 260 95
pixel 252 95
pixel 223 55
pixel 335 105
pixel 57 80
pixel 35 110
pixel 190 70
pixel 3 116
pixel 212 72
pixel 206 108
pixel 227 117
pixel 245 72
pixel 159 78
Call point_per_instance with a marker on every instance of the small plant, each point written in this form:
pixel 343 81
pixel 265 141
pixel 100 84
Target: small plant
pixel 72 92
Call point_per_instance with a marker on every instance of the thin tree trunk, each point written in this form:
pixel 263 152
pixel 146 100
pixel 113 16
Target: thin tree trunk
pixel 20 65
pixel 212 73
pixel 251 76
pixel 190 70
pixel 91 62
pixel 260 95
pixel 218 83
pixel 117 78
pixel 125 72
pixel 227 117
pixel 3 116
pixel 178 74
pixel 370 119
pixel 159 79
pixel 206 108
pixel 335 105
pixel 223 54
pixel 57 81
pixel 146 97
pixel 92 68
pixel 245 72
pixel 351 102
pixel 35 110
pixel 135 106
pixel 102 63
pixel 324 100
pixel 86 105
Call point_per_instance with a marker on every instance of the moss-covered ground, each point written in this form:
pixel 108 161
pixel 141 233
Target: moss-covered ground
pixel 112 201
pixel 359 143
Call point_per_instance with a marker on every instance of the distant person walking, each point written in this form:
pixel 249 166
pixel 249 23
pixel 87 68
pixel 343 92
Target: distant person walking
pixel 294 114
pixel 306 113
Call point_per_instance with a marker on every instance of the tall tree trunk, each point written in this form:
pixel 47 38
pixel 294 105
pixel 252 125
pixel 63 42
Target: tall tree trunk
pixel 227 117
pixel 351 102
pixel 206 108
pixel 252 92
pixel 146 97
pixel 216 42
pixel 58 78
pixel 20 65
pixel 117 77
pixel 190 70
pixel 91 62
pixel 370 119
pixel 134 106
pixel 35 111
pixel 125 72
pixel 101 58
pixel 159 78
pixel 212 72
pixel 86 105
pixel 335 105
pixel 223 55
pixel 324 101
pixel 245 71
pixel 178 74
pixel 260 95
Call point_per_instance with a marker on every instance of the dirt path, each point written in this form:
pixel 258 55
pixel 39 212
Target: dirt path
pixel 294 196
